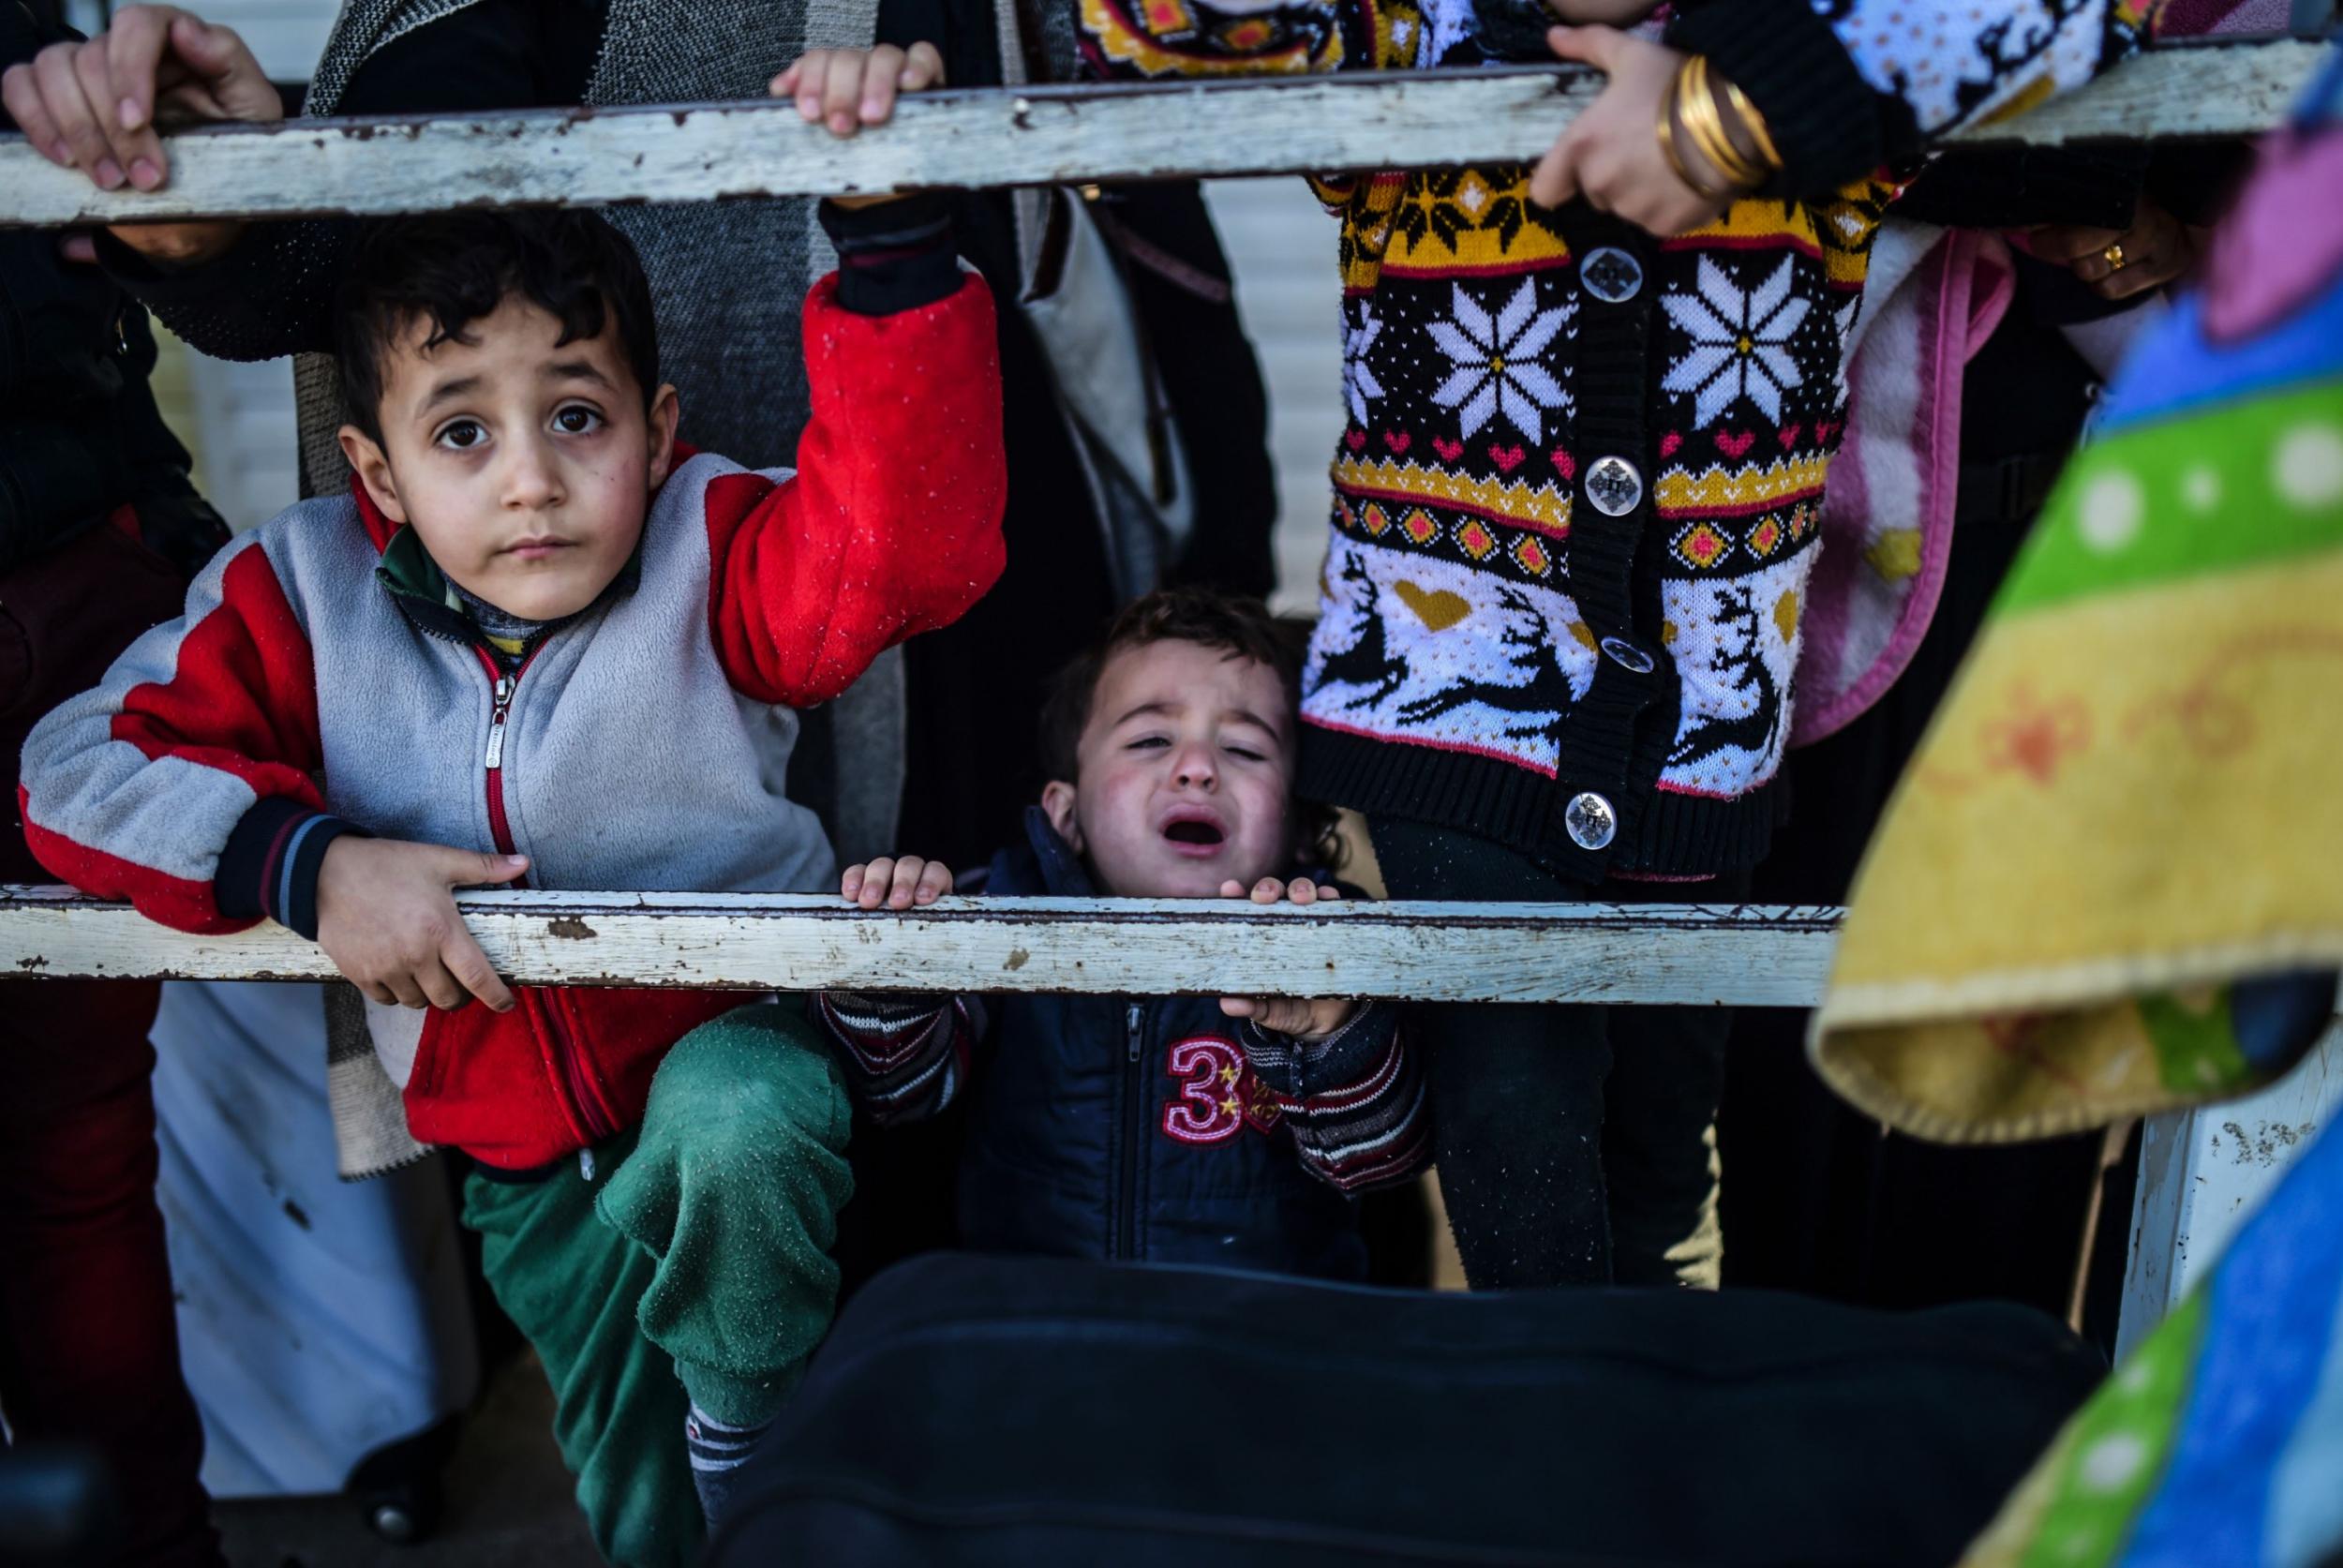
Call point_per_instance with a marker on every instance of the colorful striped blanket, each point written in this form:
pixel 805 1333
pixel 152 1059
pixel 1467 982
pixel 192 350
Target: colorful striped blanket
pixel 2111 881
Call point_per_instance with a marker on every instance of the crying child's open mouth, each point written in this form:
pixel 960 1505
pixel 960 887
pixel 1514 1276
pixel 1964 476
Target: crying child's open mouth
pixel 1195 835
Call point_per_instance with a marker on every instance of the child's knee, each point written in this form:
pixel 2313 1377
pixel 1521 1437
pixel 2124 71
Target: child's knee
pixel 745 1135
pixel 759 1081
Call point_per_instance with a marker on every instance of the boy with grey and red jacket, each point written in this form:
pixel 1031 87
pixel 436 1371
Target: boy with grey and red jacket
pixel 539 637
pixel 1162 1129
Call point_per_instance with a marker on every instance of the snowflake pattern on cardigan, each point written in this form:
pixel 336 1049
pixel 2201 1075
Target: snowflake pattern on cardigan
pixel 1576 501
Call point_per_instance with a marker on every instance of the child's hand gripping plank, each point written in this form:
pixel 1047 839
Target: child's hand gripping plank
pixel 1304 1018
pixel 897 883
pixel 846 89
pixel 387 917
pixel 907 881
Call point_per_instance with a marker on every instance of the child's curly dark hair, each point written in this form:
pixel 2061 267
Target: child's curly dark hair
pixel 1238 624
pixel 452 269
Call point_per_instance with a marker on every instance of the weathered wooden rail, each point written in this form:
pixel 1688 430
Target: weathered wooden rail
pixel 1006 137
pixel 1451 953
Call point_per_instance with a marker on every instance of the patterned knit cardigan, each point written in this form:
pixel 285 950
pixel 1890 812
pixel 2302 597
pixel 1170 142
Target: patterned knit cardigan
pixel 1576 500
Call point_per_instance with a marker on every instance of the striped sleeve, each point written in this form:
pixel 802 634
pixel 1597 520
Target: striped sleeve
pixel 136 788
pixel 906 1058
pixel 1354 1099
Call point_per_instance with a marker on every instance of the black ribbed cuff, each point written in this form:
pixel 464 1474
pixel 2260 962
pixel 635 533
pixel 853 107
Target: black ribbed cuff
pixel 1828 123
pixel 1672 835
pixel 894 257
pixel 270 865
pixel 162 287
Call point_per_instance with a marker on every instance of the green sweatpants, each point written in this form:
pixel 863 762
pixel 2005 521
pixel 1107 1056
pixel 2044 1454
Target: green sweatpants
pixel 692 1258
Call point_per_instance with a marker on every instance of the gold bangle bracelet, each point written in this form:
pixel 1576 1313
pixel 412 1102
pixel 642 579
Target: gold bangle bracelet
pixel 1666 131
pixel 1696 108
pixel 1754 123
pixel 1692 109
pixel 1746 172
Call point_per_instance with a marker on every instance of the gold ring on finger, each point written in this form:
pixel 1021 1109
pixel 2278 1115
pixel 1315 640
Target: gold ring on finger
pixel 2114 257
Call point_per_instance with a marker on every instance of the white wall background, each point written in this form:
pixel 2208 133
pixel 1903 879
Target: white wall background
pixel 1281 246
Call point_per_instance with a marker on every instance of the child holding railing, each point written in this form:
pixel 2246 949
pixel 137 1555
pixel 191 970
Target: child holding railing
pixel 1574 512
pixel 1169 1129
pixel 540 637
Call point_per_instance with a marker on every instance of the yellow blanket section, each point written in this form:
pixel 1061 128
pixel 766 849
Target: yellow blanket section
pixel 2128 795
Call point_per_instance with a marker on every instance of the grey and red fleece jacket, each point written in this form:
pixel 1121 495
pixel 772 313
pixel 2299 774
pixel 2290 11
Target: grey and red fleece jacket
pixel 321 682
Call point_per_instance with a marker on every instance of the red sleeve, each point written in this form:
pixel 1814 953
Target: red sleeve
pixel 134 789
pixel 891 525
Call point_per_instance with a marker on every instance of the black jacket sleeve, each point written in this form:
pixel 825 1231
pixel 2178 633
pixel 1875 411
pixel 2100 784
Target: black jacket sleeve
pixel 80 435
pixel 1828 123
pixel 271 294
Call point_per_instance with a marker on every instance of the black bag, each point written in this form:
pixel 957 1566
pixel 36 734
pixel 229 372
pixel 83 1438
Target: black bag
pixel 1031 1412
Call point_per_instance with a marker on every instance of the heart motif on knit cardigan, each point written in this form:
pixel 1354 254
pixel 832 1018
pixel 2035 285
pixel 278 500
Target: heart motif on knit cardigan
pixel 1398 441
pixel 1787 436
pixel 1564 464
pixel 1825 429
pixel 1449 450
pixel 1507 458
pixel 1436 607
pixel 1354 439
pixel 1669 442
pixel 1736 444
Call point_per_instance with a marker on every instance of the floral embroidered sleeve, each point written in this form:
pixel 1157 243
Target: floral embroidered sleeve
pixel 1144 40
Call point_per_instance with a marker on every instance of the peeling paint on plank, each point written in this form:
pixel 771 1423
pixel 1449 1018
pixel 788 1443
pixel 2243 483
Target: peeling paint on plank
pixel 1659 953
pixel 998 137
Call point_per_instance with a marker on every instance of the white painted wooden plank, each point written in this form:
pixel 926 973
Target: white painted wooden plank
pixel 1004 137
pixel 1482 952
pixel 2202 1172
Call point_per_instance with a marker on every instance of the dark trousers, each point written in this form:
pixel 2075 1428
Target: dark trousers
pixel 1575 1144
pixel 1824 1200
pixel 89 1342
pixel 89 1345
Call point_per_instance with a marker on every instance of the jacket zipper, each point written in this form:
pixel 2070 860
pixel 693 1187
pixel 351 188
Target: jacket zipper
pixel 492 764
pixel 566 1071
pixel 1134 1137
pixel 500 710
